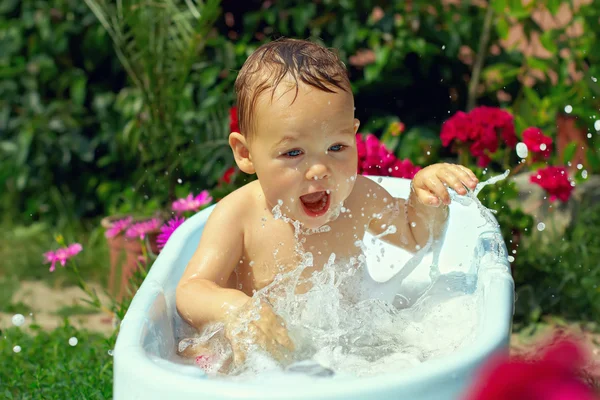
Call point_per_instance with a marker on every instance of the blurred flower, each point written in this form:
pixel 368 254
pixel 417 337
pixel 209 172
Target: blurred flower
pixel 117 227
pixel 396 128
pixel 141 229
pixel 552 377
pixel 167 230
pixel 375 159
pixel 377 14
pixel 191 203
pixel 362 58
pixel 228 175
pixel 234 125
pixel 537 142
pixel 555 181
pixel 481 129
pixel 61 255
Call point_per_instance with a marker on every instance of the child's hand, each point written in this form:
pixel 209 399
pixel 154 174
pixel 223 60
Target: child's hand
pixel 268 332
pixel 429 184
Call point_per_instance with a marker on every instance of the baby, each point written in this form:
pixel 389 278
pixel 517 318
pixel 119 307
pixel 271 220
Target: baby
pixel 298 134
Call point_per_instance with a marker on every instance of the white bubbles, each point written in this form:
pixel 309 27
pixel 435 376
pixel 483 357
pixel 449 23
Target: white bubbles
pixel 444 47
pixel 413 224
pixel 597 125
pixel 541 226
pixel 589 135
pixel 511 259
pixel 73 341
pixel 522 150
pixel 18 319
pixel 594 79
pixel 179 181
pixel 584 174
pixel 543 146
pixel 579 166
pixel 17 349
pixel 568 109
pixel 110 353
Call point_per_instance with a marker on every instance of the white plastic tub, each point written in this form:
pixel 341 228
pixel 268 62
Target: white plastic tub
pixel 146 342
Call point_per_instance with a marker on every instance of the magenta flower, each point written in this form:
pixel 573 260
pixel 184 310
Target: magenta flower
pixel 118 227
pixel 141 229
pixel 167 230
pixel 61 255
pixel 191 203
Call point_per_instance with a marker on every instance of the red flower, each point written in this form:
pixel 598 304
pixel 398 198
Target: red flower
pixel 234 125
pixel 553 377
pixel 228 175
pixel 481 130
pixel 375 159
pixel 555 181
pixel 536 141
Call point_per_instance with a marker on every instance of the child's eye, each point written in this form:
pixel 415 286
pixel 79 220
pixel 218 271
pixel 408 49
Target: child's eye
pixel 293 153
pixel 337 147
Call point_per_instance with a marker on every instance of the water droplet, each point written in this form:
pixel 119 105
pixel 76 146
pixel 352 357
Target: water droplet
pixel 584 174
pixel 589 135
pixel 444 47
pixel 17 349
pixel 594 79
pixel 18 319
pixel 597 125
pixel 568 109
pixel 522 150
pixel 73 341
pixel 579 166
pixel 543 146
pixel 511 259
pixel 413 224
pixel 541 226
pixel 179 181
pixel 110 353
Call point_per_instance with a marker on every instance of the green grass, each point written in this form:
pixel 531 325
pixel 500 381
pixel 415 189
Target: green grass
pixel 49 368
pixel 22 248
pixel 68 311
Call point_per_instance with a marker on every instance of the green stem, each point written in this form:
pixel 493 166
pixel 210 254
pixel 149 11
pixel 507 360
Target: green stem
pixel 481 52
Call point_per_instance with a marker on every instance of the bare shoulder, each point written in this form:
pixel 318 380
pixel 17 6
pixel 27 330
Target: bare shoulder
pixel 235 206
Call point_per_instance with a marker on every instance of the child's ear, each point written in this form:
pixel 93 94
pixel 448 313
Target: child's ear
pixel 356 125
pixel 239 146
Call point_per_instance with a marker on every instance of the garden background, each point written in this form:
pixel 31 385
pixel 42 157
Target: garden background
pixel 121 108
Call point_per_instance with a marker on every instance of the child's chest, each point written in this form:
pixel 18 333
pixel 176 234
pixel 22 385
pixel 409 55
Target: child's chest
pixel 271 248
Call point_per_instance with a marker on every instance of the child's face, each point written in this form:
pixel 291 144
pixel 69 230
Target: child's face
pixel 304 153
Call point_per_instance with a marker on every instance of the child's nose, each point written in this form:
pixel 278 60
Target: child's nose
pixel 317 171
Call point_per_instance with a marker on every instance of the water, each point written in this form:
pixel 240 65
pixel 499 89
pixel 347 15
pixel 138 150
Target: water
pixel 18 319
pixel 340 329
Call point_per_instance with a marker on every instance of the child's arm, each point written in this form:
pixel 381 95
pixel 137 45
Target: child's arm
pixel 425 212
pixel 201 295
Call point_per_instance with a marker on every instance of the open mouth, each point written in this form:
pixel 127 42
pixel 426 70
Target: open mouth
pixel 315 204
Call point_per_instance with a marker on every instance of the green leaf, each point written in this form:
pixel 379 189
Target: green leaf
pixel 78 90
pixel 569 152
pixel 499 6
pixel 548 42
pixel 502 27
pixel 593 159
pixel 553 6
pixel 538 63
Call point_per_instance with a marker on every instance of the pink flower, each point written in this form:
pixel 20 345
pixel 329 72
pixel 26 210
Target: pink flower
pixel 141 229
pixel 167 230
pixel 61 255
pixel 375 159
pixel 555 376
pixel 404 169
pixel 537 142
pixel 191 203
pixel 555 181
pixel 118 227
pixel 234 125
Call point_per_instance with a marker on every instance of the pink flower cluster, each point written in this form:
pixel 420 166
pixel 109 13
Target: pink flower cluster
pixel 375 159
pixel 117 227
pixel 480 129
pixel 555 181
pixel 167 230
pixel 537 142
pixel 141 229
pixel 191 202
pixel 61 255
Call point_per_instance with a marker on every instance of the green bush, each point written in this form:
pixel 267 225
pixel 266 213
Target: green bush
pixel 561 276
pixel 48 367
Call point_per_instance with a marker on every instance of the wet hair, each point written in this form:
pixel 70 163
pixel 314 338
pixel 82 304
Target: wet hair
pixel 291 59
